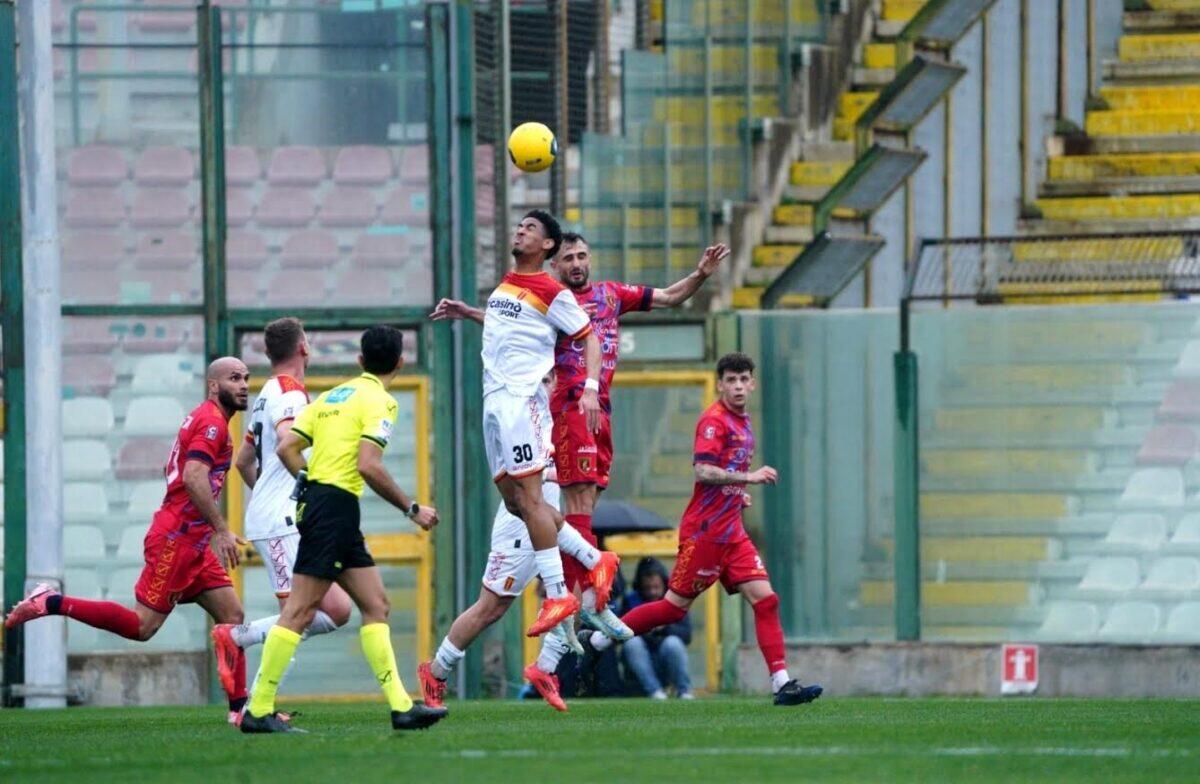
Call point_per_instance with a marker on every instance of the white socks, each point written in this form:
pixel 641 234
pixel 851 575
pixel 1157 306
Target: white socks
pixel 255 632
pixel 446 659
pixel 600 642
pixel 553 649
pixel 589 599
pixel 549 566
pixel 573 544
pixel 778 679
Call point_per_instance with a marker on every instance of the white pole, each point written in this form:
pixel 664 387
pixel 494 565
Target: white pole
pixel 45 641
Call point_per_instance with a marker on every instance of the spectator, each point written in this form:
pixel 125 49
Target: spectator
pixel 659 657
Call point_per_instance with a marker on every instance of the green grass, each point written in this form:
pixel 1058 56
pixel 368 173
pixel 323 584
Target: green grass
pixel 744 740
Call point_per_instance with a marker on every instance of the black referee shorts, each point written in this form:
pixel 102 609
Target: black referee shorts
pixel 330 536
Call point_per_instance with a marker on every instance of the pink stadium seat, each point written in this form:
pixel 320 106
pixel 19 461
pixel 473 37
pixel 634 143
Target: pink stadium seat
pixel 416 284
pixel 414 164
pixel 167 250
pixel 363 287
pixel 296 288
pixel 142 458
pixel 379 250
pixel 296 165
pixel 362 165
pixel 310 248
pixel 241 166
pixel 171 286
pixel 1182 402
pixel 89 375
pixel 484 164
pixel 406 205
pixel 90 287
pixel 95 207
pixel 160 208
pixel 92 250
pixel 245 250
pixel 1168 445
pixel 286 207
pixel 164 166
pixel 348 207
pixel 89 336
pixel 241 288
pixel 168 21
pixel 97 165
pixel 88 59
pixel 156 337
pixel 239 206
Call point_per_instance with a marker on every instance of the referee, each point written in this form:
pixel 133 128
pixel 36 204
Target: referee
pixel 348 428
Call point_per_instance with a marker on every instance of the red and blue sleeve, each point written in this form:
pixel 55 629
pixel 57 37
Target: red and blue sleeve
pixel 634 298
pixel 710 441
pixel 205 440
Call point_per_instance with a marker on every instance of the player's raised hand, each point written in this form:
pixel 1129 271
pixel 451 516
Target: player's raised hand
pixel 763 476
pixel 426 518
pixel 712 258
pixel 227 546
pixel 450 309
pixel 589 406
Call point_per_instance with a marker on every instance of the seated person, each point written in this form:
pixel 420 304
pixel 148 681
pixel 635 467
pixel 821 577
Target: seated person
pixel 658 659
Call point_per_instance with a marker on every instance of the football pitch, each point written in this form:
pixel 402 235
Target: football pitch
pixel 742 740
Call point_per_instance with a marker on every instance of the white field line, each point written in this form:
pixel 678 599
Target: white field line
pixel 849 751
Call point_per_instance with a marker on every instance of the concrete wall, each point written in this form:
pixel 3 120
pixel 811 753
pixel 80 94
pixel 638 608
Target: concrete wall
pixel 140 678
pixel 925 669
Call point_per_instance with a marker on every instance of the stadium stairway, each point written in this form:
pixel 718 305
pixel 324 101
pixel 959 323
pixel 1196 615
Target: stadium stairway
pixel 1138 166
pixel 821 164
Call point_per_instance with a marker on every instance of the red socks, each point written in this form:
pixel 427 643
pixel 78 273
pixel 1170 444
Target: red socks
pixel 108 616
pixel 573 571
pixel 769 632
pixel 651 615
pixel 583 524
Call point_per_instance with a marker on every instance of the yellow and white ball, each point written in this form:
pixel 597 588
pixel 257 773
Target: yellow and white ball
pixel 532 147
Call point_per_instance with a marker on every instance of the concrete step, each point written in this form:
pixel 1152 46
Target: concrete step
pixel 1089 525
pixel 1161 21
pixel 879 55
pixel 984 549
pixel 1157 98
pixel 899 10
pixel 1056 226
pixel 1120 186
pixel 827 151
pixel 761 277
pixel 1128 438
pixel 1041 376
pixel 747 297
pixel 1060 571
pixel 1099 248
pixel 1022 419
pixel 1123 145
pixel 792 215
pixel 1107 485
pixel 1121 208
pixel 960 593
pixel 820 174
pixel 997 505
pixel 1137 122
pixel 775 255
pixel 865 79
pixel 994 462
pixel 1154 47
pixel 1151 72
pixel 788 235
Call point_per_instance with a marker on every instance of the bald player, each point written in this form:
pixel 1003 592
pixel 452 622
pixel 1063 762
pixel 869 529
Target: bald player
pixel 189 547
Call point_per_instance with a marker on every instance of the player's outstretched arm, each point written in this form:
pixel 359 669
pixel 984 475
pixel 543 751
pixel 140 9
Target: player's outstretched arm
pixel 224 542
pixel 370 466
pixel 682 290
pixel 453 310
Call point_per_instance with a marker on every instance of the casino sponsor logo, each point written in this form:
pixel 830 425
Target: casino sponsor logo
pixel 503 306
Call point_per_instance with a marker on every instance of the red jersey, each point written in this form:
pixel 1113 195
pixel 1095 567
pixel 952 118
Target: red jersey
pixel 203 436
pixel 724 438
pixel 605 301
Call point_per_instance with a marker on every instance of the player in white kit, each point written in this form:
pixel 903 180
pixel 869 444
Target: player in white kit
pixel 511 566
pixel 521 324
pixel 270 523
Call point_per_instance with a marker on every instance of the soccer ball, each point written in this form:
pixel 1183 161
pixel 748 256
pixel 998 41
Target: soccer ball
pixel 532 147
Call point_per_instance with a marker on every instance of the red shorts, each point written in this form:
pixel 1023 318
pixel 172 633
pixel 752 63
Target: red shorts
pixel 701 563
pixel 179 564
pixel 574 572
pixel 581 456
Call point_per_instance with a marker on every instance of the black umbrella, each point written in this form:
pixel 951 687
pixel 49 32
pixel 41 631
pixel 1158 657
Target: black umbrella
pixel 622 517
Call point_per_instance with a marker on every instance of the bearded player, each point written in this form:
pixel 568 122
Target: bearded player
pixel 712 540
pixel 582 455
pixel 189 547
pixel 524 317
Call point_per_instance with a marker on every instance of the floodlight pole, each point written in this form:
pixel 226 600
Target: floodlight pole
pixel 45 672
pixel 906 573
pixel 12 313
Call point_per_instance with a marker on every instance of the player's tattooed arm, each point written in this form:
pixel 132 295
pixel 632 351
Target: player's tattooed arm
pixel 453 309
pixel 709 474
pixel 682 290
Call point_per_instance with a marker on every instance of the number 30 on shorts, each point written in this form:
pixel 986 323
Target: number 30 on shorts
pixel 522 453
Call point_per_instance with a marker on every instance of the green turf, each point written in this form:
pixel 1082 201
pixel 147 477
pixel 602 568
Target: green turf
pixel 1095 741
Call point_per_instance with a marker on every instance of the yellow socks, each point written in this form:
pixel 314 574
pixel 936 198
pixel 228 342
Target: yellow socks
pixel 277 653
pixel 377 648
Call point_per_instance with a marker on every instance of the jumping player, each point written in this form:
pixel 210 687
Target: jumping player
pixel 511 566
pixel 189 547
pixel 583 456
pixel 524 317
pixel 271 515
pixel 712 540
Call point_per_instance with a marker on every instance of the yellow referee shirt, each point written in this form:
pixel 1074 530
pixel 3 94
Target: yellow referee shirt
pixel 337 421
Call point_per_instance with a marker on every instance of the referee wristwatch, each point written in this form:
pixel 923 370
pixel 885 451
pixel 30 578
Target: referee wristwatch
pixel 412 510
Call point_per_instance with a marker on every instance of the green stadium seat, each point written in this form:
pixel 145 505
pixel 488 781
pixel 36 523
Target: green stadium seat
pixel 1172 576
pixel 1067 621
pixel 1109 578
pixel 1153 488
pixel 1131 622
pixel 1136 533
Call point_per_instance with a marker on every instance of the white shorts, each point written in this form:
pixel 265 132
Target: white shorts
pixel 509 571
pixel 279 557
pixel 516 433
